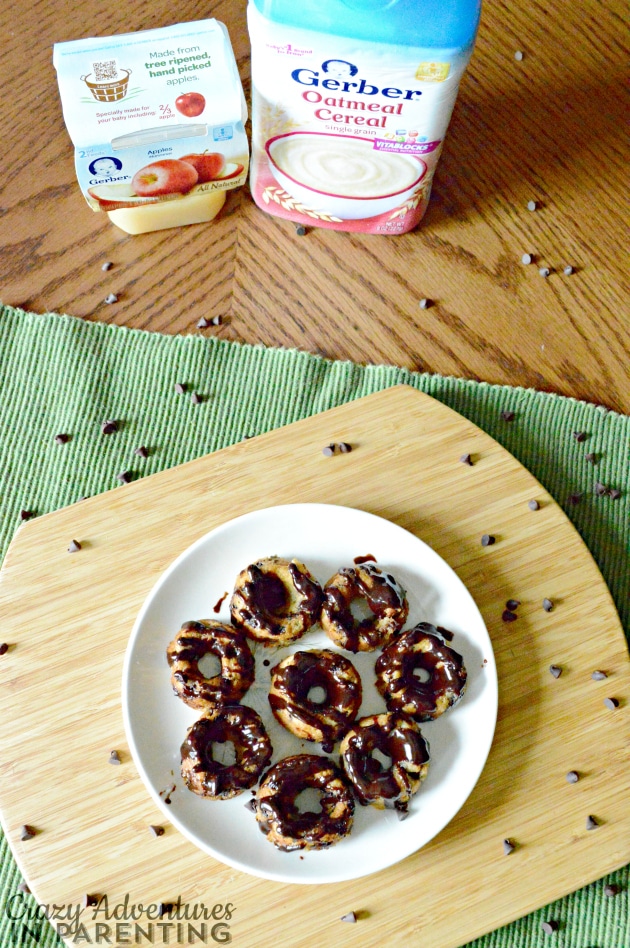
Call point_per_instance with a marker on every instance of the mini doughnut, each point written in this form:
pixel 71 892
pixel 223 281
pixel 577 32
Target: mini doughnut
pixel 209 778
pixel 281 820
pixel 275 601
pixel 423 647
pixel 398 737
pixel 192 642
pixel 293 680
pixel 382 593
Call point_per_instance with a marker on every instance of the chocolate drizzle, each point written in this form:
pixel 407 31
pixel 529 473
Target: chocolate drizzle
pixel 276 599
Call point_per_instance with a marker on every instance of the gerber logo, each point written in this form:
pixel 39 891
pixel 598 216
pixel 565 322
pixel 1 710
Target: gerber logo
pixel 339 75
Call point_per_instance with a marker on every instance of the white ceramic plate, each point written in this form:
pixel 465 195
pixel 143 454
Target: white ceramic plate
pixel 325 538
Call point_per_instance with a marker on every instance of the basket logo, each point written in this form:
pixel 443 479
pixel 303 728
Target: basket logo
pixel 107 82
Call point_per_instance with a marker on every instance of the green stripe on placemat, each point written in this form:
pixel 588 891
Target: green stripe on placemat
pixel 60 375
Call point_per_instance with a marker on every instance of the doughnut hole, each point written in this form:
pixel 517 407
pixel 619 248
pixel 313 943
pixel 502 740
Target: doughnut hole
pixel 209 665
pixel 309 800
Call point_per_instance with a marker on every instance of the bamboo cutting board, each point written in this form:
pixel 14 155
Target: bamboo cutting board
pixel 67 618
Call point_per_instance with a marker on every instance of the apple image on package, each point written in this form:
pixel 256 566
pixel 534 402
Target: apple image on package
pixel 167 176
pixel 190 104
pixel 209 165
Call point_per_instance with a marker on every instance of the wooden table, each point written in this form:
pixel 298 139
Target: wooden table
pixel 546 128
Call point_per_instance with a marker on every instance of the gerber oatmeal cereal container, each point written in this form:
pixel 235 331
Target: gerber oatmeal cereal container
pixel 157 120
pixel 351 100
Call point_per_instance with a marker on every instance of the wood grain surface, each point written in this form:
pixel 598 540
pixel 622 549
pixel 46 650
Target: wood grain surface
pixel 548 128
pixel 68 617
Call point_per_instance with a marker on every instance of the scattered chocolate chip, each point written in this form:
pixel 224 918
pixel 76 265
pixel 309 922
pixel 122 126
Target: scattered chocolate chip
pixel 26 514
pixel 614 494
pixel 531 205
pixel 164 908
pixel 424 303
pixel 555 670
pixel 579 436
pixel 591 458
pixel 216 320
pixel 180 388
pixel 27 832
pixel 156 830
pixel 4 648
pixel 591 823
pixel 518 56
pixel 89 900
pixel 611 890
pixel 466 459
pixel 125 477
pixel 544 271
pixel 114 757
pixel 600 489
pixel 109 427
pixel 74 547
pixel 345 448
pixel 533 505
pixel 599 675
pixel 512 604
pixel 488 540
pixel 568 270
pixel 251 805
pixel 23 887
pixel 62 438
pixel 141 452
pixel 196 398
pixel 509 616
pixel 549 927
pixel 329 450
pixel 508 847
pixel 300 230
pixel 527 258
pixel 203 323
pixel 349 917
pixel 266 662
pixel 547 605
pixel 508 415
pixel 573 776
pixel 574 499
pixel 611 703
pixel 111 298
pixel 107 265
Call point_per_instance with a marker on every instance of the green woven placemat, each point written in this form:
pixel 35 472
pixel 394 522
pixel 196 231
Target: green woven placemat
pixel 60 375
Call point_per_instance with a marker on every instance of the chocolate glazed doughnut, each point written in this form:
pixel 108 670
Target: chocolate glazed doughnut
pixel 209 778
pixel 197 639
pixel 423 647
pixel 382 593
pixel 396 736
pixel 281 820
pixel 292 702
pixel 275 601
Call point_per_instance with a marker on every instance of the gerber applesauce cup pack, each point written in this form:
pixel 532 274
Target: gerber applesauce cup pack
pixel 157 121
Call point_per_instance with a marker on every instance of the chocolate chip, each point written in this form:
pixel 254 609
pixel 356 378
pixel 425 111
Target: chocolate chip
pixel 180 388
pixel 62 438
pixel 466 459
pixel 610 891
pixel 329 450
pixel 196 398
pixel 141 452
pixel 508 415
pixel 555 670
pixel 591 823
pixel 251 805
pixel 568 270
pixel 424 303
pixel 591 458
pixel 573 776
pixel 109 427
pixel 345 448
pixel 512 604
pixel 509 616
pixel 203 323
pixel 111 298
pixel 26 514
pixel 614 494
pixel 156 830
pixel 4 648
pixel 611 703
pixel 300 230
pixel 599 675
pixel 544 271
pixel 533 505
pixel 164 908
pixel 549 927
pixel 114 757
pixel 547 605
pixel 125 477
pixel 74 547
pixel 349 917
pixel 27 832
pixel 508 847
pixel 488 540
pixel 574 499
pixel 107 265
pixel 579 436
pixel 600 489
pixel 23 887
pixel 216 320
pixel 527 258
pixel 89 900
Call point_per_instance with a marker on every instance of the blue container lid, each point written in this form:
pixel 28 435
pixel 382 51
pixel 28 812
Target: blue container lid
pixel 440 24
